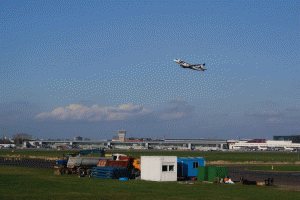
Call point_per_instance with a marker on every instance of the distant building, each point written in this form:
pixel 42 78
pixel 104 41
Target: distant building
pixel 262 144
pixel 293 138
pixel 23 136
pixel 257 141
pixel 122 135
pixel 146 139
pixel 132 140
pixel 77 138
pixel 6 146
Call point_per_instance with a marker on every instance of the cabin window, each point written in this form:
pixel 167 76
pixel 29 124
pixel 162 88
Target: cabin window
pixel 171 168
pixel 195 164
pixel 165 168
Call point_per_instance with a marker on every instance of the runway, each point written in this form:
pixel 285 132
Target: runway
pixel 281 179
pixel 36 163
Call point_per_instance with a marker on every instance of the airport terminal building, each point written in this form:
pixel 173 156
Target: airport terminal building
pixel 174 144
pixel 262 144
pixel 293 138
pixel 287 143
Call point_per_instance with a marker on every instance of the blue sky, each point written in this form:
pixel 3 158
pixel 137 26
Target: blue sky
pixel 90 68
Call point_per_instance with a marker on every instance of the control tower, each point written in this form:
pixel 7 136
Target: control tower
pixel 122 135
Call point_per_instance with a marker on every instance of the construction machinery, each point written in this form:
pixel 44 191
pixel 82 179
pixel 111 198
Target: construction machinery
pixel 122 161
pixel 75 164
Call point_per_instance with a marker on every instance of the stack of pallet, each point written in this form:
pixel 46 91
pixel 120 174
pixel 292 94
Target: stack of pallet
pixel 110 172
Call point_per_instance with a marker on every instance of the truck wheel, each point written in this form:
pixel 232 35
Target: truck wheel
pixel 88 172
pixel 80 172
pixel 133 171
pixel 74 171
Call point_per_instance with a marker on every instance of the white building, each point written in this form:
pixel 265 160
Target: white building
pixel 77 138
pixel 7 146
pixel 159 168
pixel 265 145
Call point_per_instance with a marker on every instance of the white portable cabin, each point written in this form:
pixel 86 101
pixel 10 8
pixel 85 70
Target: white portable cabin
pixel 159 168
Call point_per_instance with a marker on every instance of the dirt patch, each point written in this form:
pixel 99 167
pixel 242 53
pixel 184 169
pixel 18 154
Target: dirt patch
pixel 223 162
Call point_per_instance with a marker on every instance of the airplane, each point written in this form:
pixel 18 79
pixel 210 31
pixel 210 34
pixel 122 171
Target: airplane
pixel 288 148
pixel 198 67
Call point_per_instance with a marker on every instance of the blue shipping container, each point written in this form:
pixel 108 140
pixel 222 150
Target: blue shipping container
pixel 187 167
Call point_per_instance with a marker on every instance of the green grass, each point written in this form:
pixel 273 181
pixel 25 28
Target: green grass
pixel 226 156
pixel 295 168
pixel 209 156
pixel 35 152
pixel 33 183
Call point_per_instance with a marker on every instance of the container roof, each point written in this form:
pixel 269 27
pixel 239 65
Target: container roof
pixel 190 158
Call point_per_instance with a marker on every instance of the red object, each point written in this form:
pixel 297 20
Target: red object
pixel 257 141
pixel 125 158
pixel 102 163
pixel 116 163
pixel 132 140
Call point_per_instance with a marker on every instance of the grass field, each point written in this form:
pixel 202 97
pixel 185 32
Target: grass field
pixel 294 168
pixel 33 183
pixel 35 152
pixel 226 156
pixel 209 156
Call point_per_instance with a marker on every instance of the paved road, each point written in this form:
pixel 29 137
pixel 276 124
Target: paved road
pixel 281 178
pixel 28 163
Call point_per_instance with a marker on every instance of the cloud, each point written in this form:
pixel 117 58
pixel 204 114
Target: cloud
pixel 269 112
pixel 273 120
pixel 172 116
pixel 75 112
pixel 177 101
pixel 265 114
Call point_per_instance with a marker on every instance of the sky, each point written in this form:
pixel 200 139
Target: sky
pixel 91 68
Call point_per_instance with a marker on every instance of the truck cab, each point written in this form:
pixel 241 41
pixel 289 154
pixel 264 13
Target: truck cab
pixel 117 156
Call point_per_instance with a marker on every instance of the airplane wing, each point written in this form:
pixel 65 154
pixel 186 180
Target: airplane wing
pixel 199 65
pixel 196 68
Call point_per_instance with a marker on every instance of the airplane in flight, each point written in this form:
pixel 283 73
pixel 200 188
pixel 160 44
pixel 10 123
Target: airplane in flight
pixel 198 67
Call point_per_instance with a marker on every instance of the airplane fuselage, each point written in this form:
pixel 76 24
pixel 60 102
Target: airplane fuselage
pixel 198 67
